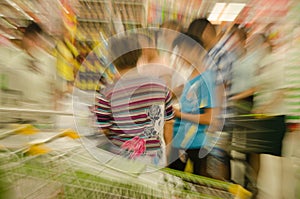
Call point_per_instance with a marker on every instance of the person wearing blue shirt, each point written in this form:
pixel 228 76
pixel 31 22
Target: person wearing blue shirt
pixel 218 59
pixel 196 105
pixel 220 56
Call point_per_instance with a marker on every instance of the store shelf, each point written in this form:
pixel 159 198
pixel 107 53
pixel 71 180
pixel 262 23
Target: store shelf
pixel 110 13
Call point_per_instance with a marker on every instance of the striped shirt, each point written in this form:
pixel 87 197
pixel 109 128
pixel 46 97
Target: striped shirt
pixel 134 106
pixel 292 73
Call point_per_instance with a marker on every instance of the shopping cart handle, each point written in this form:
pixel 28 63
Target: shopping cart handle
pixel 68 132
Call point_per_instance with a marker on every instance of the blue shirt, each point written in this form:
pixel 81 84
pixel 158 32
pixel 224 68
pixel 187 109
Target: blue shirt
pixel 197 95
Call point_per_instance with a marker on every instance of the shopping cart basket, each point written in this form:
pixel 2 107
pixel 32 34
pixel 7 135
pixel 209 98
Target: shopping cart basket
pixel 57 166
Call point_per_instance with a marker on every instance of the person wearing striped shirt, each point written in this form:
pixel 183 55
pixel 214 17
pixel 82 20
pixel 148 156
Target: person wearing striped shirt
pixel 133 110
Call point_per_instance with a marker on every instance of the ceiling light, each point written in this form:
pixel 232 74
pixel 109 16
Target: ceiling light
pixel 216 11
pixel 231 11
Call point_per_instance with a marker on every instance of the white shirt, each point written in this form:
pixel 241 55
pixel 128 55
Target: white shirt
pixel 36 86
pixel 270 81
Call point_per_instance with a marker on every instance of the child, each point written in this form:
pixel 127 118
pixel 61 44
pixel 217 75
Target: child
pixel 131 111
pixel 196 103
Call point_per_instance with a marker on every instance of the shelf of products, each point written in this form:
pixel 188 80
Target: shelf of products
pixel 104 16
pixel 182 11
pixel 94 10
pixel 97 20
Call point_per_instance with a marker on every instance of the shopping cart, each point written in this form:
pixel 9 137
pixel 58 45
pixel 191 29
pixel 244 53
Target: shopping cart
pixel 43 164
pixel 208 187
pixel 20 159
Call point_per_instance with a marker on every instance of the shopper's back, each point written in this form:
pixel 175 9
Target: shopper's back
pixel 133 109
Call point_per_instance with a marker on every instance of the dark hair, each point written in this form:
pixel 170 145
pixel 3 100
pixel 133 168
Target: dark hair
pixel 125 51
pixel 198 26
pixel 241 32
pixel 32 29
pixel 187 39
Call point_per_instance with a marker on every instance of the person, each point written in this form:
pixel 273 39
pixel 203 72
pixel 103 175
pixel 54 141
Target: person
pixel 131 112
pixel 243 71
pixel 34 69
pixel 269 93
pixel 167 33
pixel 169 30
pixel 150 62
pixel 217 59
pixel 220 62
pixel 196 105
pixel 246 67
pixel 149 52
pixel 243 78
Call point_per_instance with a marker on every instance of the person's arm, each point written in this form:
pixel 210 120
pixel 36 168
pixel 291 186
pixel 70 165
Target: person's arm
pixel 168 124
pixel 169 115
pixel 176 92
pixel 168 137
pixel 243 94
pixel 204 118
pixel 168 131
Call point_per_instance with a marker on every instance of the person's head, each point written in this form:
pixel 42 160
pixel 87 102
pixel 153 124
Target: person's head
pixel 237 41
pixel 189 48
pixel 272 33
pixel 147 43
pixel 204 30
pixel 31 35
pixel 241 35
pixel 124 51
pixel 268 46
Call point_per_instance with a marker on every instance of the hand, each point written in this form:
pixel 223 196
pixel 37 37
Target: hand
pixel 105 132
pixel 177 112
pixel 231 98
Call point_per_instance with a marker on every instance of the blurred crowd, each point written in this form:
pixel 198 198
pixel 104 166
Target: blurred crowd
pixel 233 81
